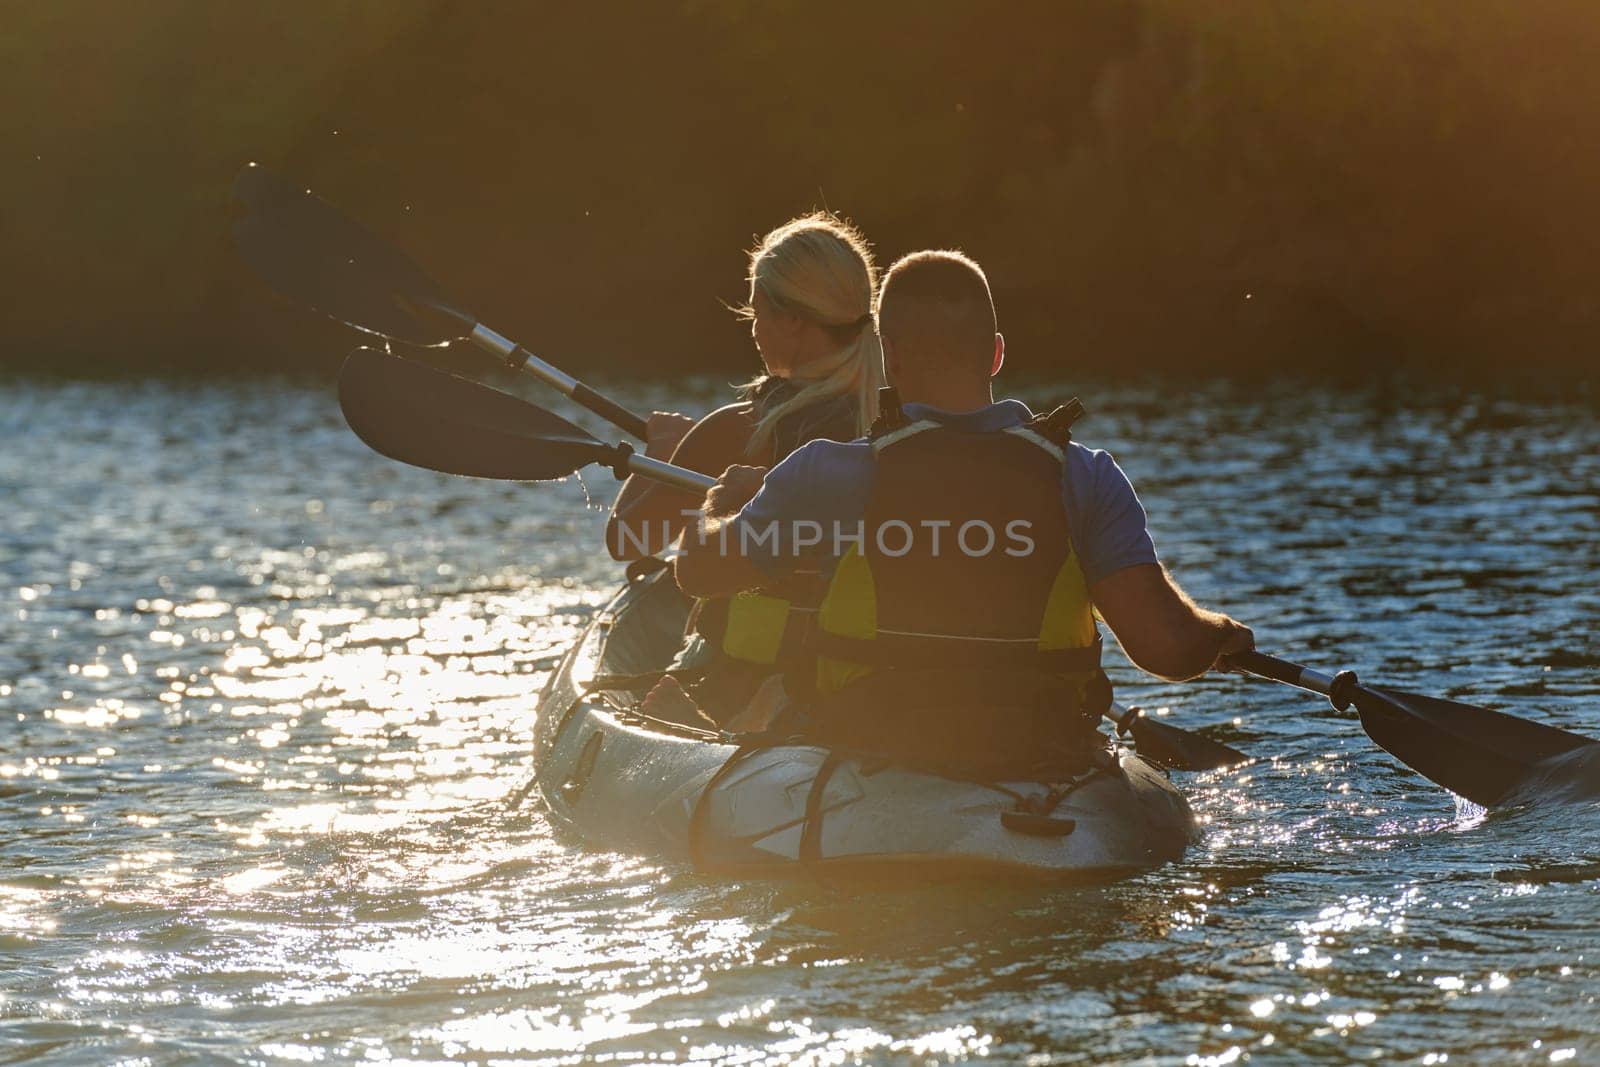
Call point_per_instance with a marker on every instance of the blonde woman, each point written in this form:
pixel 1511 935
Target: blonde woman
pixel 812 283
pixel 812 288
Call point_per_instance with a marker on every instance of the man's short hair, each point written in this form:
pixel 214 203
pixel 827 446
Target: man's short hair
pixel 936 305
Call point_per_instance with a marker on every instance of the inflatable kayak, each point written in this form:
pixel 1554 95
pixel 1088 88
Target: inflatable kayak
pixel 731 804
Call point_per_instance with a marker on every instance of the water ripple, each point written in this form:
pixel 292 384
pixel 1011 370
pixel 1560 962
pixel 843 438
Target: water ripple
pixel 265 709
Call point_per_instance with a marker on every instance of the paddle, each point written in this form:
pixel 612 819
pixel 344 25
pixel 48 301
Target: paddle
pixel 309 250
pixel 1483 755
pixel 425 417
pixel 1171 747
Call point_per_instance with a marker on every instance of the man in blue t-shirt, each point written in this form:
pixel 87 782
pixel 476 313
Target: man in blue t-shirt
pixel 964 532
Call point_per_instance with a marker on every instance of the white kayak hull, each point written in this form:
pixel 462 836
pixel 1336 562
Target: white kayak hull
pixel 621 784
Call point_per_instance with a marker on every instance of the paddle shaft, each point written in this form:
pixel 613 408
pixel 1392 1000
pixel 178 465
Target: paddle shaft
pixel 518 358
pixel 1284 671
pixel 1290 673
pixel 660 471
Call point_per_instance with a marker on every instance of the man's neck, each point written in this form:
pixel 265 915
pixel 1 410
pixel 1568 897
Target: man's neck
pixel 956 397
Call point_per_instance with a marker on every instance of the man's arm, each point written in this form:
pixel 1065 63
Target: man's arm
pixel 757 521
pixel 1160 628
pixel 710 563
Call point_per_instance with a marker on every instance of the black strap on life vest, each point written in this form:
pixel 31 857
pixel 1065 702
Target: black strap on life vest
pixel 933 652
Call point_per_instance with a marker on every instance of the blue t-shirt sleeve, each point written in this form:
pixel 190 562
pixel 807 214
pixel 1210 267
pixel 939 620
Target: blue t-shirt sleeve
pixel 819 488
pixel 1107 522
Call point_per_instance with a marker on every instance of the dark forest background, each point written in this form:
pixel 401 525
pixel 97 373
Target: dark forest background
pixel 1161 184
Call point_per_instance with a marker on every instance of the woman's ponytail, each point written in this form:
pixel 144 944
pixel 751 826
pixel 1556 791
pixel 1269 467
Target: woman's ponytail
pixel 821 267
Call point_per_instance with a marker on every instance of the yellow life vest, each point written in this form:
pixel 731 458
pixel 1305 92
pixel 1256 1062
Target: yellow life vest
pixel 771 626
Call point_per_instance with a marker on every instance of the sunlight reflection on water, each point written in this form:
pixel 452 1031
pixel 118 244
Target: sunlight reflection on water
pixel 265 707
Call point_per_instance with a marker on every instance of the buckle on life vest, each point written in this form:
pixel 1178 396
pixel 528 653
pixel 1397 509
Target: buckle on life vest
pixel 1056 426
pixel 890 416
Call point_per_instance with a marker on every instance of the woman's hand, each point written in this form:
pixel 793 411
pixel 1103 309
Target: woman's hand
pixel 663 431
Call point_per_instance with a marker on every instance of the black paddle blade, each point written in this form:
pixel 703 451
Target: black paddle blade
pixel 418 415
pixel 1182 750
pixel 1486 756
pixel 310 251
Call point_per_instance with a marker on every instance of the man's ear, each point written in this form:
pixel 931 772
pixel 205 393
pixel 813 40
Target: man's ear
pixel 999 354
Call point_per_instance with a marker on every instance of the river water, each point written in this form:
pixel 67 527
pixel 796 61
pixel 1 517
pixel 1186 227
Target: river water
pixel 265 714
